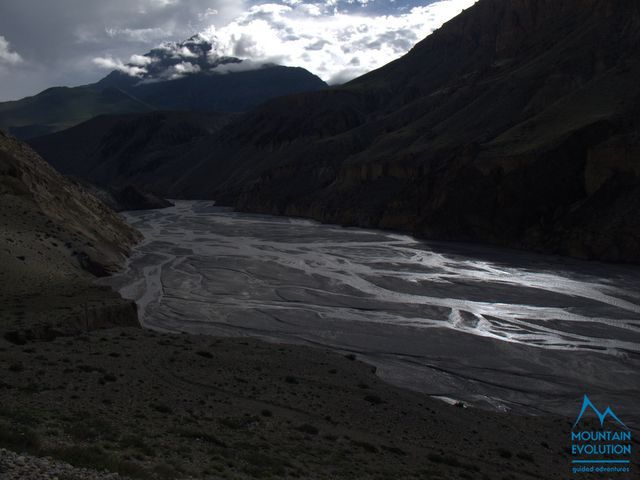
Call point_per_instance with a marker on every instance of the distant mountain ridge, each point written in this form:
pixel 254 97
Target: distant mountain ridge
pixel 175 76
pixel 515 124
pixel 191 76
pixel 59 108
pixel 114 151
pixel 169 61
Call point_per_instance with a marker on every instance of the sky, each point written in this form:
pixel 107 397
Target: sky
pixel 75 42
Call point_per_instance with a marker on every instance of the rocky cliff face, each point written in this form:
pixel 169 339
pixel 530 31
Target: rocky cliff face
pixel 55 238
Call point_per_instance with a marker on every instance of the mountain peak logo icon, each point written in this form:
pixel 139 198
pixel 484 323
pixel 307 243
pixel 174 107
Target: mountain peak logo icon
pixel 586 403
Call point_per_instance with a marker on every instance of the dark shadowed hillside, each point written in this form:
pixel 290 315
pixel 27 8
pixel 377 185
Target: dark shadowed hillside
pixel 118 150
pixel 62 107
pixel 237 91
pixel 54 239
pixel 514 124
pixel 191 76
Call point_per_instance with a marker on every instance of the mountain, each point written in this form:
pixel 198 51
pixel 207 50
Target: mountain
pixel 55 238
pixel 515 124
pixel 115 151
pixel 123 198
pixel 190 76
pixel 175 76
pixel 59 108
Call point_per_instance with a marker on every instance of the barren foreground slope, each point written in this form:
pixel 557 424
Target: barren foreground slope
pixel 54 239
pixel 150 405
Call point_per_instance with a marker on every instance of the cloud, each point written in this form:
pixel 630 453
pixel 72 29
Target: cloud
pixel 140 60
pixel 168 61
pixel 134 35
pixel 71 42
pixel 59 40
pixel 184 68
pixel 207 13
pixel 335 45
pixel 244 66
pixel 110 63
pixel 6 55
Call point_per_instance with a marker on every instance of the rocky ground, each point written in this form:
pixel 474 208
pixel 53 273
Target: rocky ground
pixel 150 405
pixel 27 467
pixel 55 237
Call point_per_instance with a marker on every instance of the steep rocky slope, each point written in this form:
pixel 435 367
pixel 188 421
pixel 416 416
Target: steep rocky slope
pixel 123 199
pixel 120 150
pixel 54 239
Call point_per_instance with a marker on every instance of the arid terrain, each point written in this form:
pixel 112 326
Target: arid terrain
pixel 151 405
pixel 219 344
pixel 82 383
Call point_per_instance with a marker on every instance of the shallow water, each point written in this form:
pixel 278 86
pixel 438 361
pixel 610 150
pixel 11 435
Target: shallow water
pixel 497 328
